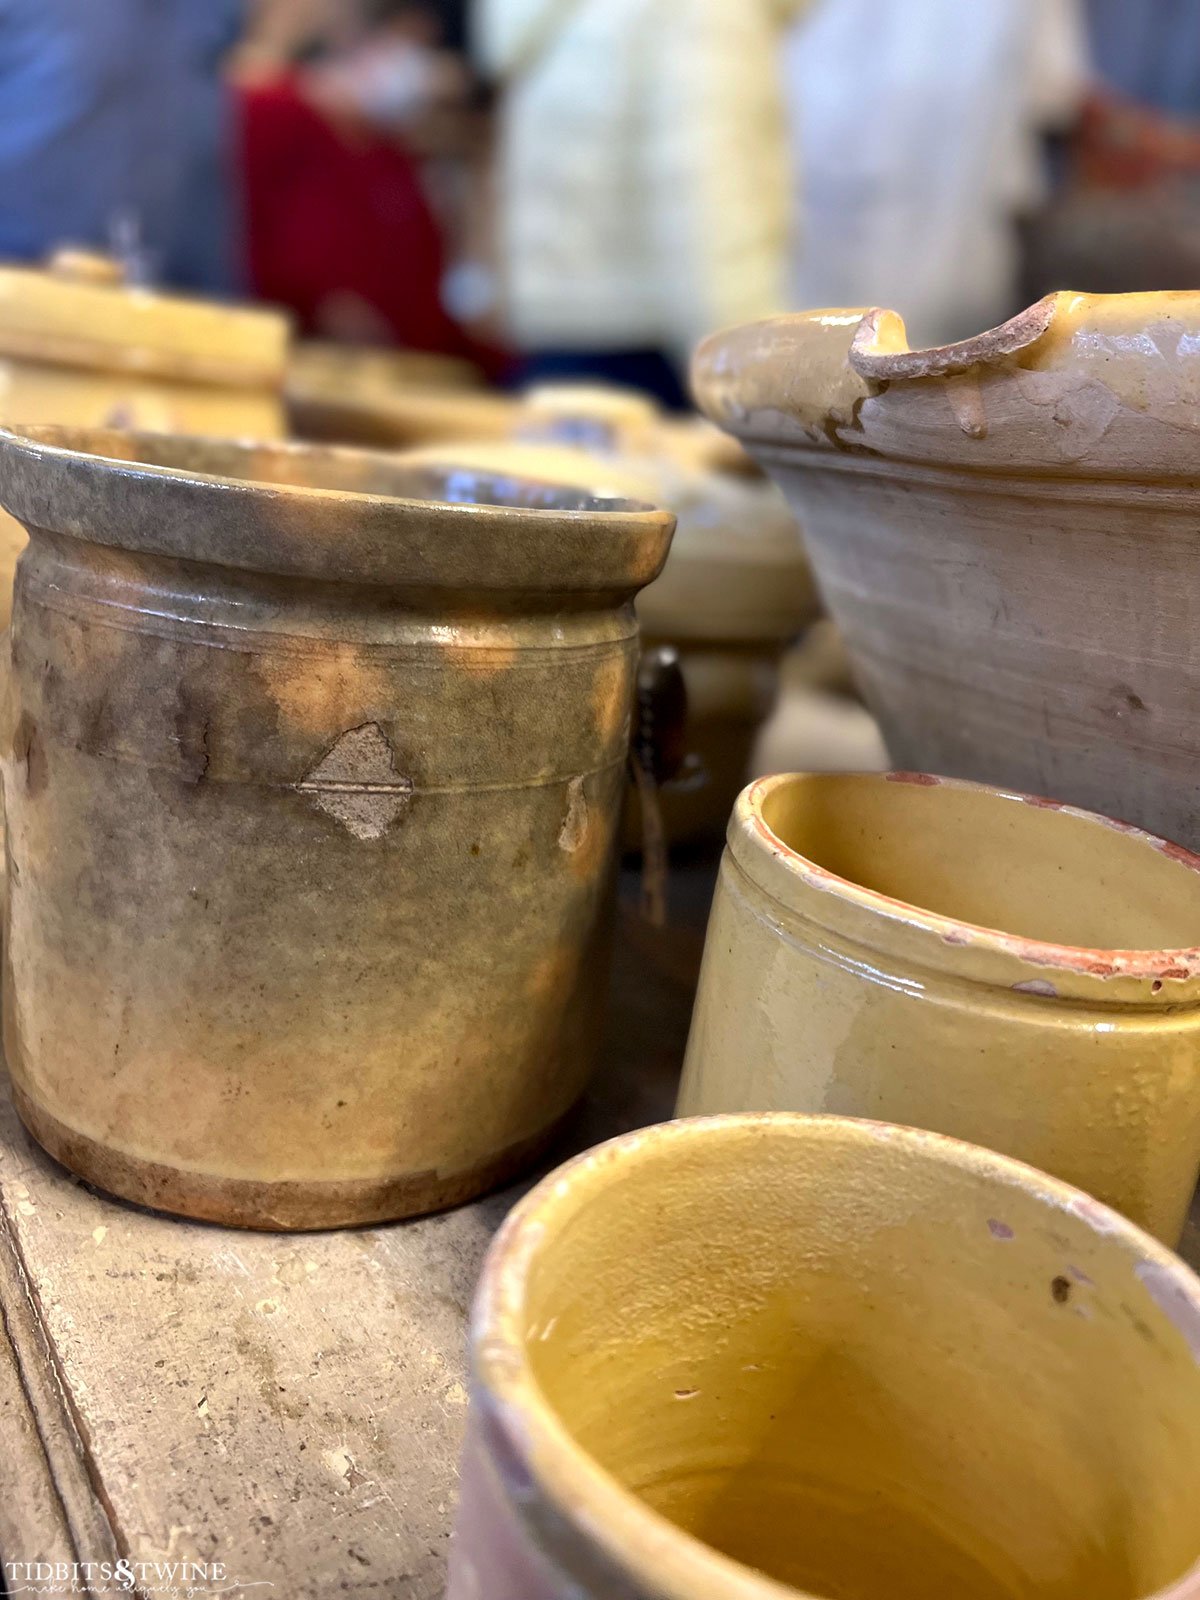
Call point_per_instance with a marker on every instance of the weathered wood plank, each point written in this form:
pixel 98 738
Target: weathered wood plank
pixel 291 1406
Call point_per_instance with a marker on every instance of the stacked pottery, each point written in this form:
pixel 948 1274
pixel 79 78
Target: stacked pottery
pixel 406 399
pixel 311 859
pixel 753 1358
pixel 345 394
pixel 1005 531
pixel 78 345
pixel 734 592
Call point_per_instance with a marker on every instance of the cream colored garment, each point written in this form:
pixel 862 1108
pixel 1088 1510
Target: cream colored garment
pixel 644 189
pixel 918 125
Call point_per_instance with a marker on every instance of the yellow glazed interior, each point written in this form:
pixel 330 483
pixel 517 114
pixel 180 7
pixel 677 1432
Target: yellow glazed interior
pixel 872 1364
pixel 991 859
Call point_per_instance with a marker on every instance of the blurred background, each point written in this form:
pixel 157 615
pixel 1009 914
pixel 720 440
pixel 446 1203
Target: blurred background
pixel 477 212
pixel 585 187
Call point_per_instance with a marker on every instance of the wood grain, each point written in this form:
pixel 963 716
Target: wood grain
pixel 289 1405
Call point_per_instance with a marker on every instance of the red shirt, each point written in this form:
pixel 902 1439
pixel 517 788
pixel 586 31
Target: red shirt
pixel 327 212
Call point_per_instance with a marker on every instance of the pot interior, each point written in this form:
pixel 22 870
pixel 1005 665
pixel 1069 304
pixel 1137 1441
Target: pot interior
pixel 868 1367
pixel 992 859
pixel 315 467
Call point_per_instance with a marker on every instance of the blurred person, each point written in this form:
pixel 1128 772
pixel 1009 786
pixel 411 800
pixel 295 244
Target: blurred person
pixel 341 229
pixel 281 33
pixel 114 131
pixel 1149 52
pixel 919 127
pixel 643 178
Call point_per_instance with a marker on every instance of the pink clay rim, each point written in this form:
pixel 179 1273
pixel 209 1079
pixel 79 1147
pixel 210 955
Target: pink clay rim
pixel 1153 965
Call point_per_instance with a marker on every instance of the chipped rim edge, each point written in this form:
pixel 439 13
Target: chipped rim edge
pixel 750 837
pixel 639 1542
pixel 871 360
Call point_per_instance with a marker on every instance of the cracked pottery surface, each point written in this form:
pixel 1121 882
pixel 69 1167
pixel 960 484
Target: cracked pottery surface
pixel 312 766
pixel 1004 530
pixel 995 967
pixel 737 1358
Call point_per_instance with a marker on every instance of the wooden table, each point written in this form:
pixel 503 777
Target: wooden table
pixel 288 1405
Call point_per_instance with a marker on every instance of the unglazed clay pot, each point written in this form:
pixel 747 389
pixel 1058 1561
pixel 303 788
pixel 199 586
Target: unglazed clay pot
pixel 1005 531
pixel 80 346
pixel 940 954
pixel 313 766
pixel 747 1358
pixel 735 590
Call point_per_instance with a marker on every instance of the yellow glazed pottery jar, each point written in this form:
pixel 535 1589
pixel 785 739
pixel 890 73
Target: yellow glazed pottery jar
pixel 944 955
pixel 313 766
pixel 78 346
pixel 1005 531
pixel 765 1357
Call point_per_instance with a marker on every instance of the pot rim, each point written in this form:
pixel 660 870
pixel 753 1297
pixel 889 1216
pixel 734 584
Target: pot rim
pixel 77 481
pixel 641 1543
pixel 844 382
pixel 751 840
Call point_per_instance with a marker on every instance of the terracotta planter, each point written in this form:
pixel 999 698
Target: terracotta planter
pixel 1005 531
pixel 312 780
pixel 743 1358
pixel 947 956
pixel 78 346
pixel 735 590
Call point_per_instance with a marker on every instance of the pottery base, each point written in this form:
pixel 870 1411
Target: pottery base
pixel 282 1207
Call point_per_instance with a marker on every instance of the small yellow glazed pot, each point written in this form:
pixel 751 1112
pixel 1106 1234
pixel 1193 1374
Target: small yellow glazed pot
pixel 753 1357
pixel 941 954
pixel 313 766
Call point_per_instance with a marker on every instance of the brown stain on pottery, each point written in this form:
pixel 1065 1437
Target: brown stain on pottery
pixel 269 937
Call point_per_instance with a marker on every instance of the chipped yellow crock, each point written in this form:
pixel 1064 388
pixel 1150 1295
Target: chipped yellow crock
pixel 986 964
pixel 764 1357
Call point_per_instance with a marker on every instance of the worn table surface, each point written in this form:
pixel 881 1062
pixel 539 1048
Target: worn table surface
pixel 290 1406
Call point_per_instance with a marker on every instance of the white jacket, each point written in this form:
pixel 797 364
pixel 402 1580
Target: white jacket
pixel 911 181
pixel 644 180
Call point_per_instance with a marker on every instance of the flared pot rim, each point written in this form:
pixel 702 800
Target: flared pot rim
pixel 1158 977
pixel 328 513
pixel 1079 387
pixel 641 1545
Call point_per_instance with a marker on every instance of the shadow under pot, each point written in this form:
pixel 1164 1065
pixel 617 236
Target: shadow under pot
pixel 312 766
pixel 991 966
pixel 754 1357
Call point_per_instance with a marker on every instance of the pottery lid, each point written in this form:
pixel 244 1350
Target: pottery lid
pixel 1078 385
pixel 80 312
pixel 737 570
pixel 330 515
pixel 940 874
